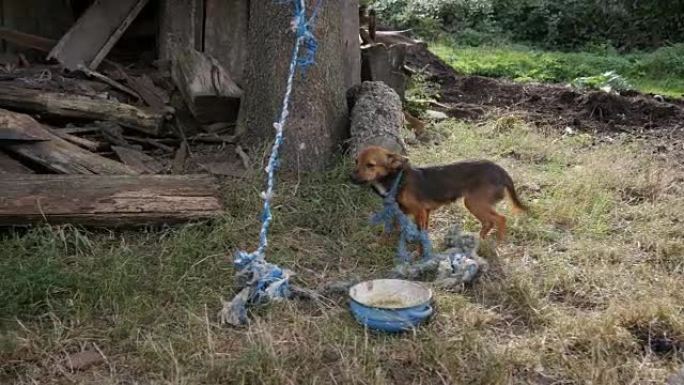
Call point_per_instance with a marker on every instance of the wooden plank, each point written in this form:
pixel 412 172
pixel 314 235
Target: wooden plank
pixel 9 165
pixel 57 154
pixel 207 87
pixel 225 34
pixel 181 27
pixel 27 40
pixel 81 107
pixel 114 200
pixel 350 43
pixel 138 160
pixel 48 19
pixel 95 33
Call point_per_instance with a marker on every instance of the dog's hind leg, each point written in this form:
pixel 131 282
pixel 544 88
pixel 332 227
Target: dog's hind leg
pixel 482 211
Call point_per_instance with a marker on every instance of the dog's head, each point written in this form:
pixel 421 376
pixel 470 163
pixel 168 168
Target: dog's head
pixel 374 163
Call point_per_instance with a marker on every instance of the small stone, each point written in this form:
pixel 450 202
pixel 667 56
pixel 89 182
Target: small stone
pixel 435 115
pixel 83 360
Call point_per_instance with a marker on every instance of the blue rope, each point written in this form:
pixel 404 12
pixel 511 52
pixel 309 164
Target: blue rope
pixel 409 232
pixel 265 280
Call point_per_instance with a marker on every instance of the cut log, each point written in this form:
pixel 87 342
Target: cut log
pixel 138 160
pixel 56 154
pixel 376 118
pixel 207 87
pixel 118 200
pixel 386 64
pixel 95 33
pixel 80 107
pixel 225 34
pixel 9 165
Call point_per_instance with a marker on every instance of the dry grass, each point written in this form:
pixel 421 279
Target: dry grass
pixel 588 289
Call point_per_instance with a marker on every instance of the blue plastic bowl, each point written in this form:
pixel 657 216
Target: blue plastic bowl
pixel 390 305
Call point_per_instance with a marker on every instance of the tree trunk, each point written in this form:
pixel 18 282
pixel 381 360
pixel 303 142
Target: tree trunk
pixel 318 111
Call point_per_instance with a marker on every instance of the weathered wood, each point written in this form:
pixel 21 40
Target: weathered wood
pixel 390 38
pixel 56 154
pixel 207 87
pixel 95 33
pixel 225 34
pixel 376 118
pixel 88 144
pixel 9 165
pixel 153 96
pixel 81 107
pixel 350 43
pixel 48 19
pixel 180 26
pixel 383 63
pixel 138 160
pixel 115 200
pixel 27 40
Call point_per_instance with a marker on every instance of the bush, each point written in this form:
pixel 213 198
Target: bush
pixel 625 24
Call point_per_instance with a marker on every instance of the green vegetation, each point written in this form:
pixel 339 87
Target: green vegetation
pixel 565 24
pixel 659 72
pixel 587 289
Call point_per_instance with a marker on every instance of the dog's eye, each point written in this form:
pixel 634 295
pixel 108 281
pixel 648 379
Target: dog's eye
pixel 370 165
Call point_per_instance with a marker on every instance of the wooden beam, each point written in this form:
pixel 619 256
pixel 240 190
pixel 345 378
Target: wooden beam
pixel 350 43
pixel 225 34
pixel 92 37
pixel 81 107
pixel 56 154
pixel 27 40
pixel 207 87
pixel 181 27
pixel 107 200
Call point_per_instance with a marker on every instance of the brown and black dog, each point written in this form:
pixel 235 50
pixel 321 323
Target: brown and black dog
pixel 481 184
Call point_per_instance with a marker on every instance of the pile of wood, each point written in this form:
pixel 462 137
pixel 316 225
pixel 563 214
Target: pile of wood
pixel 80 134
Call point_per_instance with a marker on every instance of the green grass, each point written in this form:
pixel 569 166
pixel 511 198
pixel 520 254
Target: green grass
pixel 660 72
pixel 573 296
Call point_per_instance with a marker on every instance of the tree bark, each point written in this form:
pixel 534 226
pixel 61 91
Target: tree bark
pixel 318 110
pixel 376 118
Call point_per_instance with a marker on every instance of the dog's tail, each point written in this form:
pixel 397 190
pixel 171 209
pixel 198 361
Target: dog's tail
pixel 518 206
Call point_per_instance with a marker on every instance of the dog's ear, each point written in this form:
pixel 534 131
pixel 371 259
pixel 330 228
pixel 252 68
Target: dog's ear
pixel 396 161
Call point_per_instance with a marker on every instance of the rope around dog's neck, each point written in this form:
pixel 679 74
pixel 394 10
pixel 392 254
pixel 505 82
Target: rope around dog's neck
pixel 409 232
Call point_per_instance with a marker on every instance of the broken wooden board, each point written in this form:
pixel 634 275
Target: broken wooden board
pixel 107 200
pixel 138 160
pixel 225 34
pixel 56 154
pixel 81 107
pixel 92 37
pixel 207 87
pixel 9 165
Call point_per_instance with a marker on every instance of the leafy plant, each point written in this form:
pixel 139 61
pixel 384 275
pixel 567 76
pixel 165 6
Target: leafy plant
pixel 420 93
pixel 608 81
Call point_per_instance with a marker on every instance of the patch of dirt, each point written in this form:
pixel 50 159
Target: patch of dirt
pixel 657 338
pixel 471 97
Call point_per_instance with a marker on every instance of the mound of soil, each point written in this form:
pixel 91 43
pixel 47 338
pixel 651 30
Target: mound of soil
pixel 471 97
